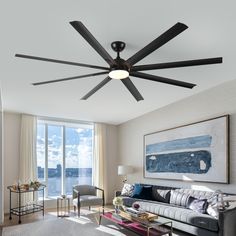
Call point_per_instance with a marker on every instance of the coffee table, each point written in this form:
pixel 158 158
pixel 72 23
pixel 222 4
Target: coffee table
pixel 139 225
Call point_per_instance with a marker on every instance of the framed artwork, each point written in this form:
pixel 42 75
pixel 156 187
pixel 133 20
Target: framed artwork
pixel 193 152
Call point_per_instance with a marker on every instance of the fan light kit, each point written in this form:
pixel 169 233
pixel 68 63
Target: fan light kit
pixel 121 69
pixel 119 74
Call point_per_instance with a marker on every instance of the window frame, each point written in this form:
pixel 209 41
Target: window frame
pixel 64 124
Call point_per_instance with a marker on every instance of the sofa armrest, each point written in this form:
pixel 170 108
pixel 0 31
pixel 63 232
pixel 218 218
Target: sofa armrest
pixel 227 221
pixel 117 193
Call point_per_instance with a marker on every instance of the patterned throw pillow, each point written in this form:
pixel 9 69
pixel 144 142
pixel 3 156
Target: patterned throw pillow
pixel 127 190
pixel 198 205
pixel 161 195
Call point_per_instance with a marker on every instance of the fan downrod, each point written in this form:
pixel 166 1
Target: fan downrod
pixel 118 46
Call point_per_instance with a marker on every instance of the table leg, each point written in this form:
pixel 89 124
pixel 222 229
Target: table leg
pixel 100 219
pixel 148 231
pixel 10 206
pixel 19 221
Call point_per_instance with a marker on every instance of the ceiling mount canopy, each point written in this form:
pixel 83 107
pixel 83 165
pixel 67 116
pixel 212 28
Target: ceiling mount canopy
pixel 119 68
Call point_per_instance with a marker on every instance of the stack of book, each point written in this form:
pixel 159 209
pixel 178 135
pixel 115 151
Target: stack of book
pixel 136 213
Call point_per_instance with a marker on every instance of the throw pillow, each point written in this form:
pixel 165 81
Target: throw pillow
pixel 198 205
pixel 161 195
pixel 137 191
pixel 179 198
pixel 146 193
pixel 127 190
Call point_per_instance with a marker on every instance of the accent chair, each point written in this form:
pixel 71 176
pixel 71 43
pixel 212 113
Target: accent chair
pixel 86 196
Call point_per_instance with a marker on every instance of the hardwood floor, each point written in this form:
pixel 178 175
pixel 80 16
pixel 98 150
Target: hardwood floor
pixel 49 213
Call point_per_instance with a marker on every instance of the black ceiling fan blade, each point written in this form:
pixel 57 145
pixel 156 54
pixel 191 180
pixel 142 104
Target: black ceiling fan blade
pixel 157 43
pixel 69 78
pixel 176 64
pixel 133 90
pixel 85 33
pixel 94 90
pixel 162 79
pixel 61 62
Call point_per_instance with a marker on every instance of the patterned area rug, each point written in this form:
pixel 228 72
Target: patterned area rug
pixel 86 225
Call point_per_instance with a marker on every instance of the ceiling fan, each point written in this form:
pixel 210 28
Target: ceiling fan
pixel 121 69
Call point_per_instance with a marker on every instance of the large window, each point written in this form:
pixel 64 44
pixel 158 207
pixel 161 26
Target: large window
pixel 64 155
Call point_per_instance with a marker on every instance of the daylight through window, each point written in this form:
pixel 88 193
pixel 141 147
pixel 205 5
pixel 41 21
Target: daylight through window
pixel 64 155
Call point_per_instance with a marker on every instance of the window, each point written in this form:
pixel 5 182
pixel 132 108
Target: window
pixel 64 155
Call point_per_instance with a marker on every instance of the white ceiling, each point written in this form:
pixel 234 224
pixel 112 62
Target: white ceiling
pixel 41 28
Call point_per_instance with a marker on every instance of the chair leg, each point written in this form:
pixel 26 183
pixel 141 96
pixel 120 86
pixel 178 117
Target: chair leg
pixel 89 208
pixel 74 208
pixel 78 210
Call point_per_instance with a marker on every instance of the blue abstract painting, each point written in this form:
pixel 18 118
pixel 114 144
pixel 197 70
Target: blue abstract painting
pixel 192 152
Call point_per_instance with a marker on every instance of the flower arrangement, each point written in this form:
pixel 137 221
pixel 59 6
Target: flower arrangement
pixel 35 184
pixel 117 201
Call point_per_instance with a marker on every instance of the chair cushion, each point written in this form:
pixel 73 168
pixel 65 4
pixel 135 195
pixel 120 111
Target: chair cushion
pixel 88 200
pixel 180 214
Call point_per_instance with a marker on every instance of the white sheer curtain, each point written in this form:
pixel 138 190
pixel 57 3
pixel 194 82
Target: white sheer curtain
pixel 99 166
pixel 28 162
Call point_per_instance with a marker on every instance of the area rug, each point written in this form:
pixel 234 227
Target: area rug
pixel 85 225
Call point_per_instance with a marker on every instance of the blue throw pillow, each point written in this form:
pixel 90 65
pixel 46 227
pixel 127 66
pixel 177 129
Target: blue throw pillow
pixel 137 191
pixel 142 191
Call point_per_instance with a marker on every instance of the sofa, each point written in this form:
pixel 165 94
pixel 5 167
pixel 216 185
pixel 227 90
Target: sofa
pixel 172 204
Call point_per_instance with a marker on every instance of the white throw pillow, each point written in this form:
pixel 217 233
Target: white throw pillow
pixel 213 211
pixel 127 190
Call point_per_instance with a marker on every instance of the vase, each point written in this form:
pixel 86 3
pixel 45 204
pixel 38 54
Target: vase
pixel 117 209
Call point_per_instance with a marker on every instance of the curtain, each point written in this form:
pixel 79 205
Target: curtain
pixel 28 162
pixel 99 165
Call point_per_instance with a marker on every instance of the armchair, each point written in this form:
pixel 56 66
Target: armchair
pixel 86 195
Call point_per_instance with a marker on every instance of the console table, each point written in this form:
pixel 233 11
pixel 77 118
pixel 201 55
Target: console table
pixel 26 209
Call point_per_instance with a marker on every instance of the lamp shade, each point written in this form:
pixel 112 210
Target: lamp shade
pixel 124 170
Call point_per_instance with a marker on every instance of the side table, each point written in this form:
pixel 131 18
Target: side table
pixel 63 206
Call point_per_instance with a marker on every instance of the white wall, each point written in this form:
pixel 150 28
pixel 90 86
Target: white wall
pixel 211 103
pixel 11 136
pixel 1 164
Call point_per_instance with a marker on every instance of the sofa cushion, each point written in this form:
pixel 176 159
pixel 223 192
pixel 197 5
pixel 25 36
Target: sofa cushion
pixel 180 214
pixel 179 198
pixel 197 193
pixel 88 200
pixel 160 195
pixel 128 201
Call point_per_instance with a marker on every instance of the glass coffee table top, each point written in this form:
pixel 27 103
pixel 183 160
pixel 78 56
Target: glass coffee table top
pixel 141 225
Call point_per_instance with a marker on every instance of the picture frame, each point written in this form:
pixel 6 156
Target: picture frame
pixel 194 152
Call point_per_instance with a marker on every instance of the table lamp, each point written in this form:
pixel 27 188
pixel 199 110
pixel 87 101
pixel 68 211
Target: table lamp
pixel 124 171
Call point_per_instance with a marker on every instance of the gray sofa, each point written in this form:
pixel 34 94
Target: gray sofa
pixel 184 219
